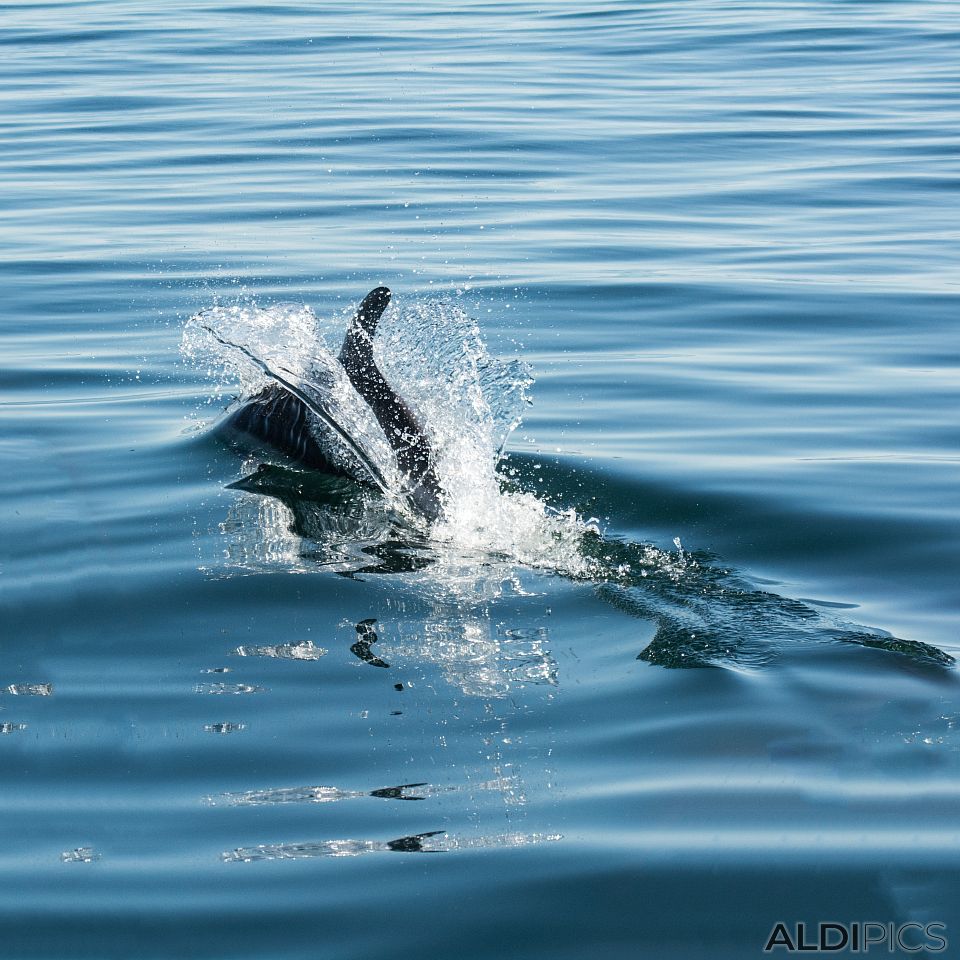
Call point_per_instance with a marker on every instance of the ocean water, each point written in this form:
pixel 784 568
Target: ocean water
pixel 676 669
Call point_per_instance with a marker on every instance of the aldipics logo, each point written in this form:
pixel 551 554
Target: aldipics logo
pixel 857 937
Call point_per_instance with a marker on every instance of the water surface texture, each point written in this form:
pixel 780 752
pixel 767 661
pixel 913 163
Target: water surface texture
pixel 678 668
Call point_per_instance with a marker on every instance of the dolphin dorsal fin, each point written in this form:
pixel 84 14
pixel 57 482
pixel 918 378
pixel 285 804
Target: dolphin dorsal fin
pixel 404 433
pixel 368 314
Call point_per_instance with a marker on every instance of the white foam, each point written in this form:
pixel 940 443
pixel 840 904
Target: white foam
pixel 433 354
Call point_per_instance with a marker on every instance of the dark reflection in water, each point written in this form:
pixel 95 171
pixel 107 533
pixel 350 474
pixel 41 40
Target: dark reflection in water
pixel 705 613
pixel 708 615
pixel 367 636
pixel 315 519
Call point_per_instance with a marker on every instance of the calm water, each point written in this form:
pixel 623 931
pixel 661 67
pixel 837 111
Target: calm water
pixel 724 236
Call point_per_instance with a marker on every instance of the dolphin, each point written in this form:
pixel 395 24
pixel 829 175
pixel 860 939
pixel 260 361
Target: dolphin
pixel 280 418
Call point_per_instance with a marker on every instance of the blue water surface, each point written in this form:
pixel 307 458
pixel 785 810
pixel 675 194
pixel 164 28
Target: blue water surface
pixel 724 235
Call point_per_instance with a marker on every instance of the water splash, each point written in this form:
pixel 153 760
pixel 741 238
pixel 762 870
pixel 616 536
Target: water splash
pixel 433 354
pixel 284 345
pixel 468 402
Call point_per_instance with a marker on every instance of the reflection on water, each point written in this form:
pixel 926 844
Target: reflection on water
pixel 366 637
pixel 705 613
pixel 709 615
pixel 227 688
pixel 435 841
pixel 321 794
pixel 305 650
pixel 480 658
pixel 440 641
pixel 224 727
pixel 29 690
pixel 299 522
pixel 80 855
pixel 464 676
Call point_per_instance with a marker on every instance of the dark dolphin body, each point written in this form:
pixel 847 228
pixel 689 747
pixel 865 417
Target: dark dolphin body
pixel 281 419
